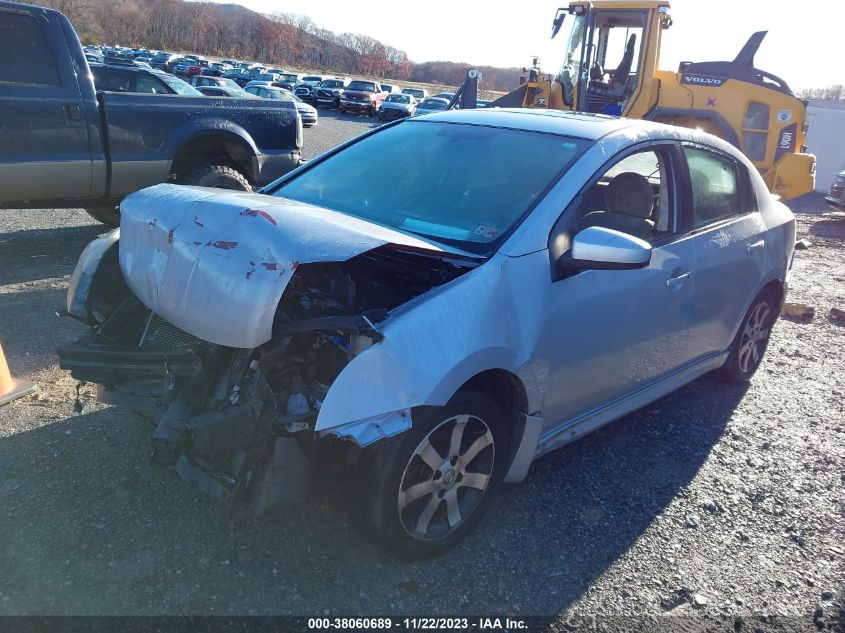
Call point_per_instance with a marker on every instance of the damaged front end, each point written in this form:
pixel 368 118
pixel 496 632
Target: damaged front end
pixel 240 422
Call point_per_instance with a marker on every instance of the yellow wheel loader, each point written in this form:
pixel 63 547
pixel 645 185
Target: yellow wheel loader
pixel 610 66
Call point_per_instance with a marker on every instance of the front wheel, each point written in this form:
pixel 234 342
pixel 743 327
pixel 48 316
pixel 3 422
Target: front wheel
pixel 429 487
pixel 107 214
pixel 751 340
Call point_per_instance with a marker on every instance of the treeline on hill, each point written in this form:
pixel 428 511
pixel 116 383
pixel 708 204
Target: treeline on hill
pixel 835 92
pixel 231 30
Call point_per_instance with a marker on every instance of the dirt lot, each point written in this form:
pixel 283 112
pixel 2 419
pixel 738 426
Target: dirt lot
pixel 714 501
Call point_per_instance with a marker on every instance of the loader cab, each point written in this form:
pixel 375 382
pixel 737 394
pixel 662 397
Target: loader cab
pixel 610 55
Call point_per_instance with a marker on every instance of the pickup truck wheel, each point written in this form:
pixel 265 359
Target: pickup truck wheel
pixel 218 176
pixel 371 111
pixel 427 488
pixel 108 214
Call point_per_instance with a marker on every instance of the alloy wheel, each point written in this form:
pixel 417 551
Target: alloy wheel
pixel 755 336
pixel 446 477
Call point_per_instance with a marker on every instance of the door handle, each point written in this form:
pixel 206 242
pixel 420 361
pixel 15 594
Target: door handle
pixel 677 280
pixel 73 112
pixel 756 246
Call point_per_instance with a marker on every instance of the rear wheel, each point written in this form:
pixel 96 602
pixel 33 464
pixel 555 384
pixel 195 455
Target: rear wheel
pixel 429 487
pixel 219 176
pixel 107 214
pixel 751 340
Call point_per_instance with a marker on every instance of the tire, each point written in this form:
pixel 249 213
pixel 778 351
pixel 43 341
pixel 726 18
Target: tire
pixel 219 176
pixel 371 111
pixel 425 526
pixel 752 338
pixel 108 215
pixel 341 110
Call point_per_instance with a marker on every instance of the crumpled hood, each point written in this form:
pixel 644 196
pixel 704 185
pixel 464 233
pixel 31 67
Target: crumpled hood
pixel 215 263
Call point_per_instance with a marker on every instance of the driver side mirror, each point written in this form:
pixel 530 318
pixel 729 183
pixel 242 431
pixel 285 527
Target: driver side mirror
pixel 599 248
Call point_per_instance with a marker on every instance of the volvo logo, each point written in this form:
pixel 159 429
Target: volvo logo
pixel 702 80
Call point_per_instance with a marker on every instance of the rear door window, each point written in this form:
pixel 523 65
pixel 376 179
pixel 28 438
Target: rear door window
pixel 715 186
pixel 26 56
pixel 109 80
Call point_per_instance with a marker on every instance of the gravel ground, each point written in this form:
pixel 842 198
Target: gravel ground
pixel 716 501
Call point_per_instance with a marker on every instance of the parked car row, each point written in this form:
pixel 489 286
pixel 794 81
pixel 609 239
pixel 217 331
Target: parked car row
pixel 130 78
pixel 232 78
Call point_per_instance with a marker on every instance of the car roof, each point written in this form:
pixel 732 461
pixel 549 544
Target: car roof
pixel 581 125
pixel 134 69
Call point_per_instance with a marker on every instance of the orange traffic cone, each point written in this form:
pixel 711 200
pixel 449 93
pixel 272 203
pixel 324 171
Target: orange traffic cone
pixel 9 387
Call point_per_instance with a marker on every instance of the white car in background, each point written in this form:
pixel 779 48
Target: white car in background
pixel 266 90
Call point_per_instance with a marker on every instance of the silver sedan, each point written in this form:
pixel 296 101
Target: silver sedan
pixel 435 320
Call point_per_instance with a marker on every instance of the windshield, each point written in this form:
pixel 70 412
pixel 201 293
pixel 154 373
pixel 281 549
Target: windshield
pixel 287 77
pixel 363 86
pixel 279 95
pixel 227 83
pixel 434 104
pixel 332 83
pixel 399 99
pixel 461 184
pixel 179 87
pixel 571 67
pixel 416 93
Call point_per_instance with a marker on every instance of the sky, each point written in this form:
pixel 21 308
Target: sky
pixel 805 45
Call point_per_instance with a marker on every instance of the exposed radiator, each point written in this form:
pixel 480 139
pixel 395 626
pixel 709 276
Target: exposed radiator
pixel 159 334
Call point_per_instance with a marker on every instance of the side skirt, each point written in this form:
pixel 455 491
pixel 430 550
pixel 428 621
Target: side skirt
pixel 572 429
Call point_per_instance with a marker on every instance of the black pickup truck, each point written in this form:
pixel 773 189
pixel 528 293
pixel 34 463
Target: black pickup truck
pixel 63 143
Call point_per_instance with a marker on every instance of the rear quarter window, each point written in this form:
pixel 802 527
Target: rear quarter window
pixel 716 190
pixel 25 51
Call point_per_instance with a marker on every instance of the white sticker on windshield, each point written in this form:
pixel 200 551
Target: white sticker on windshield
pixel 486 232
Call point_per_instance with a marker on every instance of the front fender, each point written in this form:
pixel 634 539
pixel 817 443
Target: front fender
pixel 488 319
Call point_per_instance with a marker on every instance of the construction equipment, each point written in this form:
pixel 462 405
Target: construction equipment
pixel 753 110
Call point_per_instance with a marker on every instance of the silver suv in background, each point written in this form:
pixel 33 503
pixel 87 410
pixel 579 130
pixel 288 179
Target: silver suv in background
pixel 836 195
